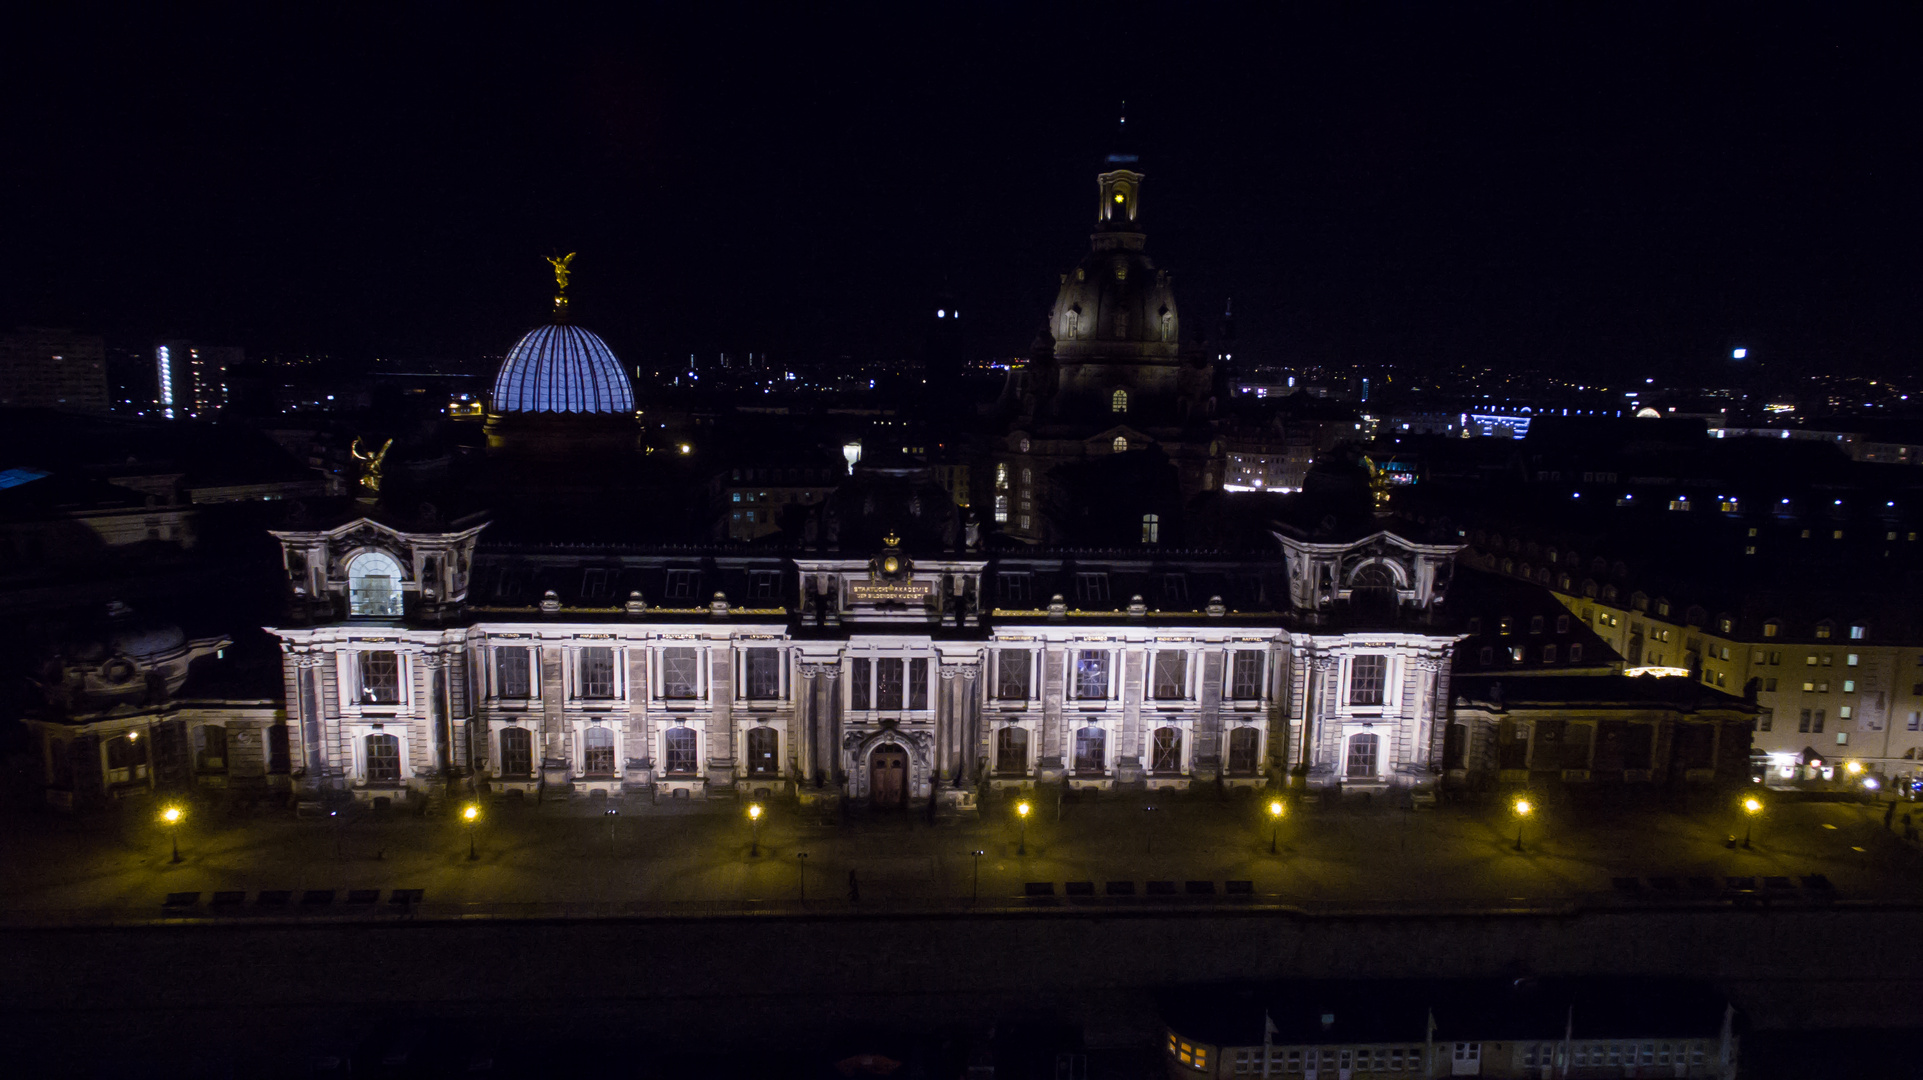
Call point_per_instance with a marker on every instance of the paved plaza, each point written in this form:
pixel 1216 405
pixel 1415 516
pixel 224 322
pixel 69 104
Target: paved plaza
pixel 574 858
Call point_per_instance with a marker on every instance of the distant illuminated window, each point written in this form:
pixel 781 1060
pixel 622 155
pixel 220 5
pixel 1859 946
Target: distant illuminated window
pixel 1121 444
pixel 1151 528
pixel 1119 402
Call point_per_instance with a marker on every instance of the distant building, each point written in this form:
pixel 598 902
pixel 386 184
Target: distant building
pixel 53 369
pixel 1535 1028
pixel 191 380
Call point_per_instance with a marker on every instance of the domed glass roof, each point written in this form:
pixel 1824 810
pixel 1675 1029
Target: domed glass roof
pixel 562 369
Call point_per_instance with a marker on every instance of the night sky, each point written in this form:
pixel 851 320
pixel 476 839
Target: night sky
pixel 1615 190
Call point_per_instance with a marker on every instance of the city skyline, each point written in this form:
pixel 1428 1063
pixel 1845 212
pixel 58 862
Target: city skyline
pixel 1593 196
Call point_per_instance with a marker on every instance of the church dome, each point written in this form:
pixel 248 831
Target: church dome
pixel 562 369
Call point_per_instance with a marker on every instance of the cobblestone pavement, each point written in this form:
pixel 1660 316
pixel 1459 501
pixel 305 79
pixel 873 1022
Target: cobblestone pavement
pixel 573 857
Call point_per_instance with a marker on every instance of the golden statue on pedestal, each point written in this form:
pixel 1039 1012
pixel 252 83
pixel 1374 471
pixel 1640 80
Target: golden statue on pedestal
pixel 561 281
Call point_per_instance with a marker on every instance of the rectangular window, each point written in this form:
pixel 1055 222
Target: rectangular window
pixel 918 683
pixel 860 684
pixel 517 752
pixel 763 671
pixel 1366 675
pixel 1916 721
pixel 380 678
pixel 1575 653
pixel 764 585
pixel 597 672
pixel 1091 674
pixel 888 682
pixel 1764 720
pixel 1850 659
pixel 1175 590
pixel 681 673
pixel 1091 588
pixel 278 757
pixel 1015 588
pixel 1803 722
pixel 1548 654
pixel 1816 724
pixel 1769 685
pixel 682 744
pixel 1171 675
pixel 511 671
pixel 594 584
pixel 682 584
pixel 1245 675
pixel 1012 668
pixel 597 752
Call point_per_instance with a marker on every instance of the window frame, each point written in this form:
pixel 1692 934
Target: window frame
pixel 1170 686
pixel 500 683
pixel 587 683
pixel 386 739
pixel 1356 695
pixel 1350 746
pixel 1166 746
pixel 671 754
pixel 1013 659
pixel 608 753
pixel 697 689
pixel 364 692
pixel 1257 682
pixel 1079 683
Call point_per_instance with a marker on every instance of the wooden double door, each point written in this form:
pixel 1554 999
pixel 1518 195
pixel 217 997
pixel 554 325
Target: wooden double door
pixel 888 777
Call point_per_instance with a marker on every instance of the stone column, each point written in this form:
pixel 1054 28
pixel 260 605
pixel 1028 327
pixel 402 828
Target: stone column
pixel 947 725
pixel 1207 761
pixel 1048 759
pixel 308 710
pixel 1316 734
pixel 1442 707
pixel 969 712
pixel 806 735
pixel 831 746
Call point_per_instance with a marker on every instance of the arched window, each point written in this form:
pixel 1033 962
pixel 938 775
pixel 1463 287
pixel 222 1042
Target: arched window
pixel 1118 402
pixel 597 752
pixel 517 752
pixel 1244 746
pixel 374 586
pixel 763 744
pixel 1011 751
pixel 1070 323
pixel 1091 750
pixel 210 748
pixel 1121 444
pixel 1151 528
pixel 1167 757
pixel 680 745
pixel 1362 754
pixel 383 759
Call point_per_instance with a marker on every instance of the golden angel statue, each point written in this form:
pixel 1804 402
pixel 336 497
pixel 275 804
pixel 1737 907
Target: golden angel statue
pixel 561 270
pixel 370 466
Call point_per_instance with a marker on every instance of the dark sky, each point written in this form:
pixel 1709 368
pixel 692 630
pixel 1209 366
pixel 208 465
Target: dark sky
pixel 1611 189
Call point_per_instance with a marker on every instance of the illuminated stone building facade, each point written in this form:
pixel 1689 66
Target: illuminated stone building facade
pixel 415 658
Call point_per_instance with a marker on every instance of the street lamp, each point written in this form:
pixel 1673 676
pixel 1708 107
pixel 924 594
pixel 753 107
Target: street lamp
pixel 1523 808
pixel 1752 806
pixel 1148 827
pixel 754 822
pixel 1021 811
pixel 172 816
pixel 470 814
pixel 611 815
pixel 975 893
pixel 1276 810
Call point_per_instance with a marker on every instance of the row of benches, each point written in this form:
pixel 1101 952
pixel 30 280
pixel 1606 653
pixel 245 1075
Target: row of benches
pixel 280 898
pixel 1772 883
pixel 1127 888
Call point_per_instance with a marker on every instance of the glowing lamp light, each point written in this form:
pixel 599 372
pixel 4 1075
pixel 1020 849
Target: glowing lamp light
pixel 754 810
pixel 1870 783
pixel 686 449
pixel 1854 768
pixel 1276 809
pixel 1752 805
pixel 470 813
pixel 1738 354
pixel 1022 808
pixel 1524 807
pixel 171 815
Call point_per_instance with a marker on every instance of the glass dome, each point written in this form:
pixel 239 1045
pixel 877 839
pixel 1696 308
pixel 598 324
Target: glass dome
pixel 562 369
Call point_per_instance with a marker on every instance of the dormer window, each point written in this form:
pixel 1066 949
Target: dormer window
pixel 1118 402
pixel 374 586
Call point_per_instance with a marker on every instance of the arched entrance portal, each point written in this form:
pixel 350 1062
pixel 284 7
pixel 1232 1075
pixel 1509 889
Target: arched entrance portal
pixel 888 777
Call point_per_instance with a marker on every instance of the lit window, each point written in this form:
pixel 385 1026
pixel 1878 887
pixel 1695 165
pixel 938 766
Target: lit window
pixel 1151 528
pixel 1856 634
pixel 380 678
pixel 1121 444
pixel 681 751
pixel 597 752
pixel 1119 402
pixel 597 672
pixel 374 586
